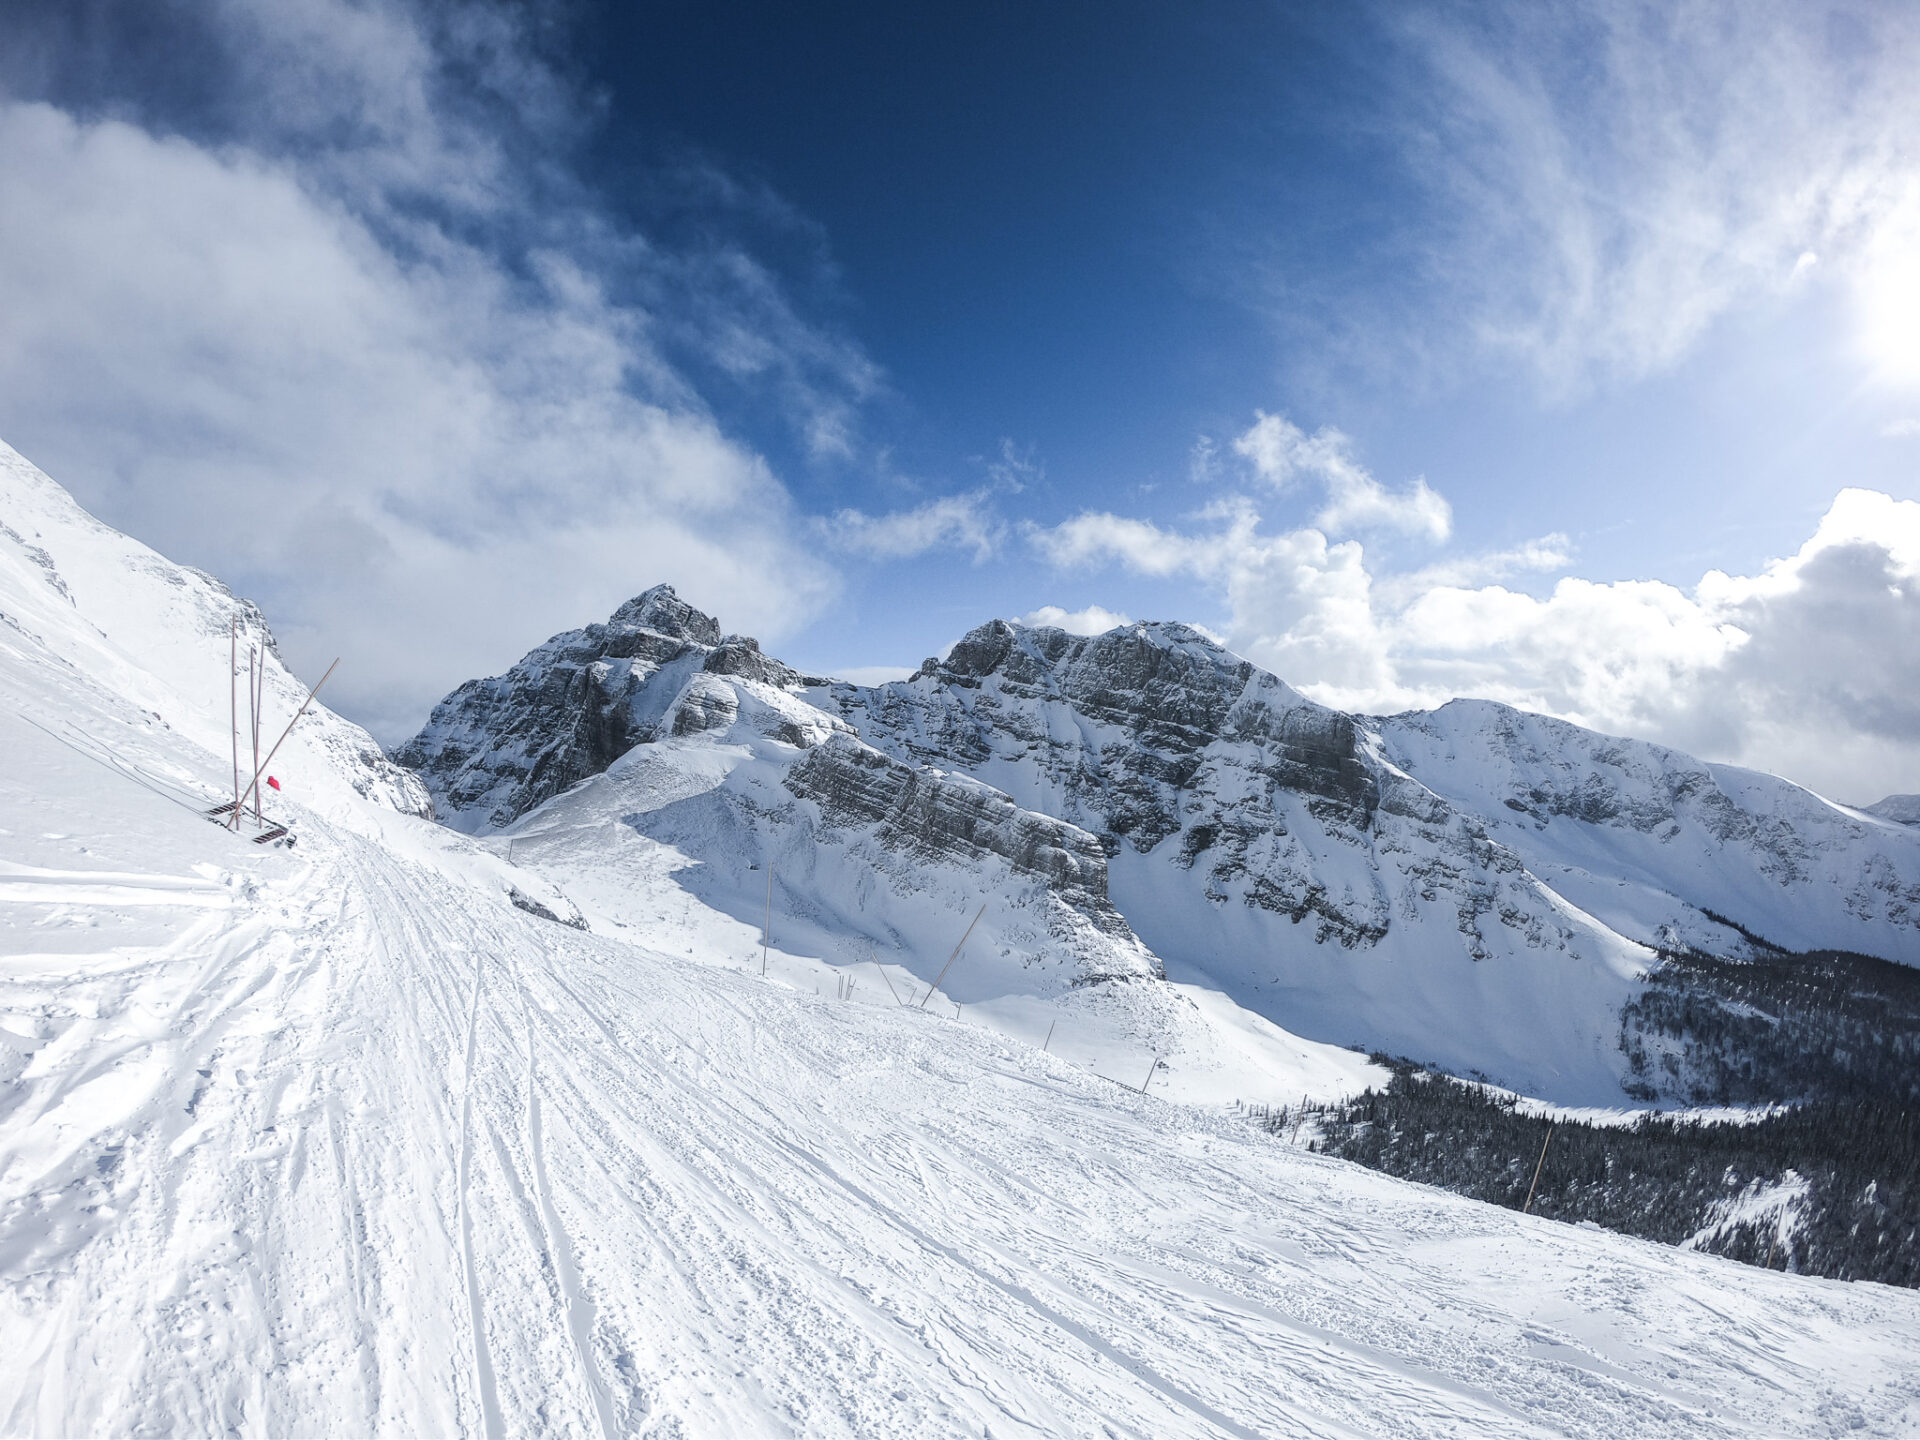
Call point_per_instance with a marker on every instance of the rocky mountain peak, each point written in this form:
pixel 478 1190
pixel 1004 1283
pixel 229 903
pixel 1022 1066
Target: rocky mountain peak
pixel 661 609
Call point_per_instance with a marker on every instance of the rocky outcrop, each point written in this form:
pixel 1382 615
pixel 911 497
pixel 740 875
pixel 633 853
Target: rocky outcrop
pixel 495 748
pixel 938 816
pixel 1145 734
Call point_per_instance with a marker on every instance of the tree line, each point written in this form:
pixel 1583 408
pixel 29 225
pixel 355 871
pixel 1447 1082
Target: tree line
pixel 1828 1187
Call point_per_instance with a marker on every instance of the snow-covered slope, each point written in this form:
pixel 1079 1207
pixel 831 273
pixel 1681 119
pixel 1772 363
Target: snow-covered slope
pixel 1658 845
pixel 1901 809
pixel 1474 887
pixel 340 1140
pixel 105 611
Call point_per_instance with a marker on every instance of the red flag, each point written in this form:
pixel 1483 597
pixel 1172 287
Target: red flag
pixel 273 782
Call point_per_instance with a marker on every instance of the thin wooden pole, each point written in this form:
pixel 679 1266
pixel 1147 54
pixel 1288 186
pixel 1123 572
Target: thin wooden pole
pixel 1152 1070
pixel 254 788
pixel 233 699
pixel 253 712
pixel 890 990
pixel 1049 1040
pixel 953 957
pixel 1537 1169
pixel 766 930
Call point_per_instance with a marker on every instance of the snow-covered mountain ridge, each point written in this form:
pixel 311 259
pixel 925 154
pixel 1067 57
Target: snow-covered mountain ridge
pixel 338 1140
pixel 1476 887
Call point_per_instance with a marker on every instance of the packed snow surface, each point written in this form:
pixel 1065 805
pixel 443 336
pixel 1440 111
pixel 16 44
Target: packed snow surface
pixel 341 1139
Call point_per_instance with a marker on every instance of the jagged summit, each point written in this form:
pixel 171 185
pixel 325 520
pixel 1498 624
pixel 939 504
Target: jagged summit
pixel 661 610
pixel 497 747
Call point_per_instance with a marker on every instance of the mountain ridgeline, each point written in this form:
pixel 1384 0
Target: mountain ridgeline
pixel 1495 893
pixel 1585 918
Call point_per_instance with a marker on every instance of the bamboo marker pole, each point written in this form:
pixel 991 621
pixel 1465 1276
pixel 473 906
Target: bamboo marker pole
pixel 1049 1040
pixel 890 990
pixel 252 707
pixel 953 957
pixel 766 930
pixel 1537 1169
pixel 1152 1071
pixel 233 699
pixel 256 683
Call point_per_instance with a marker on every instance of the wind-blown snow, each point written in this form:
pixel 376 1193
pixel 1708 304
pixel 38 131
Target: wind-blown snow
pixel 339 1140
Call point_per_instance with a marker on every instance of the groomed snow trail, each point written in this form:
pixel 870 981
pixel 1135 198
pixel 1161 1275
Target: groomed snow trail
pixel 385 1155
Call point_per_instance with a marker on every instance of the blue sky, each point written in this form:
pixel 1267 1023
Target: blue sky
pixel 1563 354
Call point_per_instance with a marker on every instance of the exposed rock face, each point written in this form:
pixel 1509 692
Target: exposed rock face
pixel 1163 743
pixel 1727 853
pixel 1479 887
pixel 1144 734
pixel 941 816
pixel 495 748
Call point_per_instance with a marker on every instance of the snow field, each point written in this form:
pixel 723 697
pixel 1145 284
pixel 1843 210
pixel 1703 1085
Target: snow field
pixel 455 1169
pixel 336 1140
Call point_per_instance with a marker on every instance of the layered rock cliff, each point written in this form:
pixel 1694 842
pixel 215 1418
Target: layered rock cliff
pixel 1473 886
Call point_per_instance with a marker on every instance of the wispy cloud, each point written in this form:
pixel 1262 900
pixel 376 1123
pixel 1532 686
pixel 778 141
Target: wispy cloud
pixel 961 522
pixel 1605 180
pixel 1810 668
pixel 1279 451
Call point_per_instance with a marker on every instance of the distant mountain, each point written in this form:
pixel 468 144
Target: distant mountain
pixel 1474 887
pixel 1901 809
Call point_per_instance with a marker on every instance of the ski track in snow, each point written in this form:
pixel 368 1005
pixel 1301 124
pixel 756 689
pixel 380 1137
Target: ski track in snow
pixel 671 1198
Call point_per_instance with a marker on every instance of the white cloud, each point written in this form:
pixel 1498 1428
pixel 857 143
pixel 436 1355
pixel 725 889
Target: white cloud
pixel 1810 668
pixel 964 522
pixel 1015 469
pixel 1302 603
pixel 1612 177
pixel 1544 553
pixel 873 674
pixel 1279 450
pixel 1903 429
pixel 1094 620
pixel 375 366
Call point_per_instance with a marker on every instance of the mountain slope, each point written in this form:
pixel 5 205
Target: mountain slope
pixel 110 612
pixel 1658 845
pixel 1476 888
pixel 341 1140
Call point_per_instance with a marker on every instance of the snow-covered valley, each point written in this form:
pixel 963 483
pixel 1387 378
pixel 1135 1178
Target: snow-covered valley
pixel 339 1138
